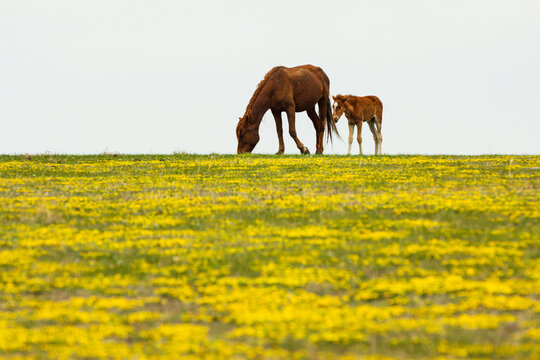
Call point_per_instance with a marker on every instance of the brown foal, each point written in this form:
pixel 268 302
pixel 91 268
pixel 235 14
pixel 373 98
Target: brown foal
pixel 357 110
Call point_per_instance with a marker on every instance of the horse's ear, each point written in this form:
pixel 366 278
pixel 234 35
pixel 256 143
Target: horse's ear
pixel 333 97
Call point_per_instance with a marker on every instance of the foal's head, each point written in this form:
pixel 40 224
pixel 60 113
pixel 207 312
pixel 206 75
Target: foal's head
pixel 338 108
pixel 248 136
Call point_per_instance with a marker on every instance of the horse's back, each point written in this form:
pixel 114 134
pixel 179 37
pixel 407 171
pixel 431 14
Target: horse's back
pixel 365 106
pixel 309 84
pixel 371 100
pixel 308 67
pixel 308 71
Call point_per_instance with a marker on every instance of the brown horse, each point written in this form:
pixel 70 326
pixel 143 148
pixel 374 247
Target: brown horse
pixel 357 110
pixel 291 90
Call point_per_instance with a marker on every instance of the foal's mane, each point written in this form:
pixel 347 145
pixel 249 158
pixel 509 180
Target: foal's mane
pixel 242 124
pixel 344 98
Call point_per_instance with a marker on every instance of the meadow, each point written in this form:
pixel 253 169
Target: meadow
pixel 269 257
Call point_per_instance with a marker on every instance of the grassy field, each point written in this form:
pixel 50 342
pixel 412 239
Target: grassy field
pixel 270 257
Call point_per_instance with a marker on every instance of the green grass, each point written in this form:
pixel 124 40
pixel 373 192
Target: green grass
pixel 270 256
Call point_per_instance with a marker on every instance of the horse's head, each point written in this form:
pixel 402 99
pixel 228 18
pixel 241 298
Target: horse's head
pixel 339 107
pixel 248 136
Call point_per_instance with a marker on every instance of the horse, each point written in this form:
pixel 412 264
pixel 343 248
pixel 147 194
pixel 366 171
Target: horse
pixel 357 110
pixel 291 90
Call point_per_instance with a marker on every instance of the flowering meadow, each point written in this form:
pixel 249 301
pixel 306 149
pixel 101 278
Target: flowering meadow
pixel 269 257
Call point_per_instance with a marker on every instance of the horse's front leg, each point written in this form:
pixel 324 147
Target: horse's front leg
pixel 279 129
pixel 292 130
pixel 359 136
pixel 351 132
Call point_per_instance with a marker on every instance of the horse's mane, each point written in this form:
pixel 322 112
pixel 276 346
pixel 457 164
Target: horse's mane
pixel 242 124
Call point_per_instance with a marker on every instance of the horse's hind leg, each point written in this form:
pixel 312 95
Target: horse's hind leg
pixel 324 109
pixel 319 129
pixel 279 129
pixel 375 133
pixel 292 130
pixel 378 123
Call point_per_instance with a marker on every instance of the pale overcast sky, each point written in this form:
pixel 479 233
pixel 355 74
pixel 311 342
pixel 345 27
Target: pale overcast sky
pixel 79 77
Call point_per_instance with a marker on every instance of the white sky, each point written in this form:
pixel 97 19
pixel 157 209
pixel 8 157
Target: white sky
pixel 455 76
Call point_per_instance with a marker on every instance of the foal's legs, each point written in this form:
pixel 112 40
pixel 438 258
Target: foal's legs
pixel 378 123
pixel 351 132
pixel 359 136
pixel 292 130
pixel 319 129
pixel 279 128
pixel 376 136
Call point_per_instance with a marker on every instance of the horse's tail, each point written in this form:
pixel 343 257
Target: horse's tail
pixel 330 123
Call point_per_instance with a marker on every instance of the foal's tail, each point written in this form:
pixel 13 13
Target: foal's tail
pixel 330 123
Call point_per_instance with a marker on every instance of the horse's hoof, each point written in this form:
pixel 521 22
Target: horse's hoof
pixel 280 152
pixel 305 151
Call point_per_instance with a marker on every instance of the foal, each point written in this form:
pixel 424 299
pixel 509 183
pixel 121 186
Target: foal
pixel 357 110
